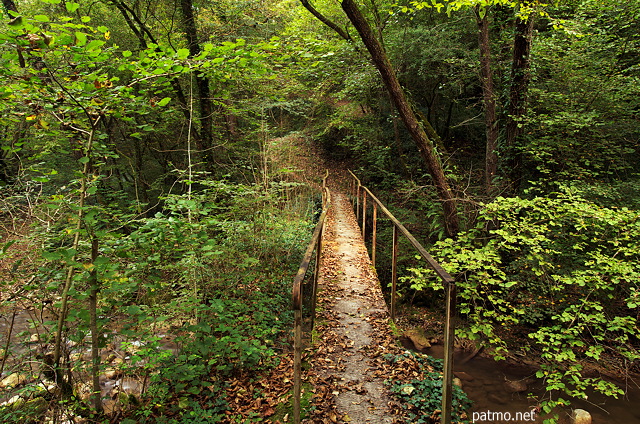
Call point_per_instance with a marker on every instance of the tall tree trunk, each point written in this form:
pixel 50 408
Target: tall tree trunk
pixel 205 108
pixel 10 6
pixel 488 94
pixel 518 93
pixel 424 144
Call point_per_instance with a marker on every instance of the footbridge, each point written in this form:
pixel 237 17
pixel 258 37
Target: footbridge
pixel 343 284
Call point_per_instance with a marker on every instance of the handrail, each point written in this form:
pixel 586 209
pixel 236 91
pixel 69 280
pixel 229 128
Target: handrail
pixel 358 190
pixel 314 245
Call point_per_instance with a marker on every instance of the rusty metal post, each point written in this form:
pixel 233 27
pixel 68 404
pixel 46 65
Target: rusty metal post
pixel 315 278
pixel 351 190
pixel 364 214
pixel 358 203
pixel 394 272
pixel 373 239
pixel 449 333
pixel 297 365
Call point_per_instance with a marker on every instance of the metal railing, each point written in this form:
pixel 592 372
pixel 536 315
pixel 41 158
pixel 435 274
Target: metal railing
pixel 360 195
pixel 298 297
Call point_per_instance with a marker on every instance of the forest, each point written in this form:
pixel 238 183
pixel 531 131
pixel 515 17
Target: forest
pixel 160 172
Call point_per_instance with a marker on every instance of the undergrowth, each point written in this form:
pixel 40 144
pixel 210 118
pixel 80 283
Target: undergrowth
pixel 211 273
pixel 422 396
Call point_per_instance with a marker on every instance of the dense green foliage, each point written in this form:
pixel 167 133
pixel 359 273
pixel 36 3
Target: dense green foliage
pixel 143 194
pixel 145 250
pixel 561 272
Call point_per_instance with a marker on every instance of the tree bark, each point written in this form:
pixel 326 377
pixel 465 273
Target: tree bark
pixel 417 132
pixel 205 108
pixel 10 6
pixel 488 94
pixel 518 93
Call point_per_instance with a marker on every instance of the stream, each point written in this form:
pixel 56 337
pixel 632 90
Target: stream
pixel 25 351
pixel 484 382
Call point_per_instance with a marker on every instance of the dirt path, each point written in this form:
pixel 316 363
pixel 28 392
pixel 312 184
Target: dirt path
pixel 353 328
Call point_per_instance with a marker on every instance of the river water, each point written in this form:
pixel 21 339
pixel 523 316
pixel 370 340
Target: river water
pixel 487 384
pixel 26 348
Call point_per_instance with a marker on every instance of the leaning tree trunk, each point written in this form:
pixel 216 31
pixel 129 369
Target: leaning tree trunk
pixel 417 132
pixel 518 94
pixel 488 94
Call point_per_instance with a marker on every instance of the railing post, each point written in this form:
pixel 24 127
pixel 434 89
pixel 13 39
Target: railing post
pixel 297 365
pixel 358 202
pixel 351 189
pixel 315 278
pixel 394 272
pixel 373 239
pixel 297 300
pixel 449 332
pixel 364 213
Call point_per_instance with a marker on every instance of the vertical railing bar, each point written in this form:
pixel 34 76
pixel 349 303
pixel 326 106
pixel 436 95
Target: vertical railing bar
pixel 373 238
pixel 364 214
pixel 449 332
pixel 315 278
pixel 394 272
pixel 297 365
pixel 358 203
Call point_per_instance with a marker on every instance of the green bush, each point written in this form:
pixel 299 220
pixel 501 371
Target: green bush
pixel 561 271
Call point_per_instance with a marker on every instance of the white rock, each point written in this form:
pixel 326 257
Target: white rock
pixel 12 380
pixel 11 401
pixel 580 416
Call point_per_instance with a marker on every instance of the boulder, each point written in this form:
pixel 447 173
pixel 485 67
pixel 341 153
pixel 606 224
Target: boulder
pixel 418 339
pixel 12 380
pixel 112 373
pixel 515 386
pixel 463 376
pixel 580 416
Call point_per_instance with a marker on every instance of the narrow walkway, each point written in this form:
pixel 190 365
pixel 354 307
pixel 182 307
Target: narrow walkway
pixel 353 330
